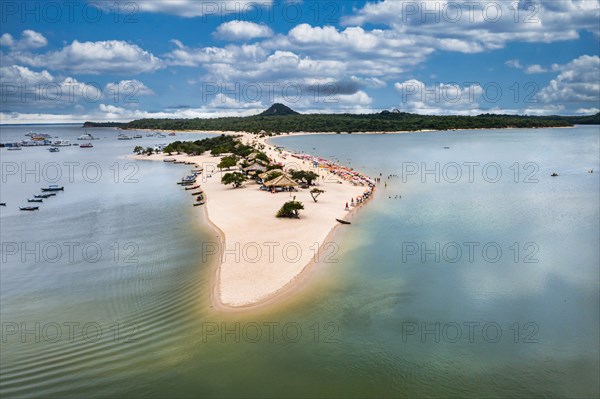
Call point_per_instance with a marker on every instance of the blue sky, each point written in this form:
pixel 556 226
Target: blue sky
pixel 72 61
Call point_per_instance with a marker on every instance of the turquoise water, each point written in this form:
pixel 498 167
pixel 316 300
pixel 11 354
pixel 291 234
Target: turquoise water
pixel 381 321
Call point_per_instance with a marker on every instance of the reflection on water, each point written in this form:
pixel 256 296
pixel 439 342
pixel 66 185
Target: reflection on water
pixel 388 319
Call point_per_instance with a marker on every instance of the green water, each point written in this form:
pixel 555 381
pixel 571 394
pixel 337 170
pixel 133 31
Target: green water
pixel 375 322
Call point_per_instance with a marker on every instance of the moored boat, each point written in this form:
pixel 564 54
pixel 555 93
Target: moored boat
pixel 86 136
pixel 343 221
pixel 35 200
pixel 29 208
pixel 53 187
pixel 193 187
pixel 170 160
pixel 86 145
pixel 54 149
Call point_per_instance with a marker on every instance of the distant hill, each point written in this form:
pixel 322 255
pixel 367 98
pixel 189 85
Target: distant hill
pixel 278 109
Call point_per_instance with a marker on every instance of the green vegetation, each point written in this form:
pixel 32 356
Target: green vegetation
pixel 272 175
pixel 103 124
pixel 235 178
pixel 304 176
pixel 138 149
pixel 149 151
pixel 228 162
pixel 290 210
pixel 216 145
pixel 282 120
pixel 315 192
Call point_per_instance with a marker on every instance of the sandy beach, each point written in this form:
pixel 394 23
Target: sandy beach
pixel 263 256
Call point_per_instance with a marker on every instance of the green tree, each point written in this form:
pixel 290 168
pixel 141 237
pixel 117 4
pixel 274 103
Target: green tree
pixel 138 149
pixel 228 162
pixel 290 210
pixel 149 151
pixel 234 178
pixel 315 192
pixel 272 175
pixel 303 175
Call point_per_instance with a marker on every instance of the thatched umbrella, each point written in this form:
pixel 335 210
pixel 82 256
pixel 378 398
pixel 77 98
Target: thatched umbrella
pixel 281 181
pixel 255 168
pixel 252 156
pixel 268 173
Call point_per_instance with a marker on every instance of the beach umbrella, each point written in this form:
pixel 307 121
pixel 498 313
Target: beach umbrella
pixel 266 175
pixel 281 181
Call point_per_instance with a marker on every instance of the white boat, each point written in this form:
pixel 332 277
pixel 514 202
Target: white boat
pixel 124 137
pixel 15 148
pixel 137 136
pixel 86 136
pixel 53 149
pixel 61 143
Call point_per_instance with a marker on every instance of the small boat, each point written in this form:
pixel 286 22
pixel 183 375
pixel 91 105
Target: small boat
pixel 124 137
pixel 86 145
pixel 137 136
pixel 15 148
pixel 197 171
pixel 343 221
pixel 53 188
pixel 86 136
pixel 179 162
pixel 169 160
pixel 198 193
pixel 446 148
pixel 199 203
pixel 172 134
pixel 200 198
pixel 44 196
pixel 149 134
pixel 61 143
pixel 29 208
pixel 35 200
pixel 2 203
pixel 54 149
pixel 554 174
pixel 193 187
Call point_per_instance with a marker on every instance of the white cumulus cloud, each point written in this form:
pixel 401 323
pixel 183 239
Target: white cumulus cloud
pixel 242 30
pixel 110 56
pixel 29 40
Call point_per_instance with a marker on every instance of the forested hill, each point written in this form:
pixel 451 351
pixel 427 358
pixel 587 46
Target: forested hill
pixel 386 121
